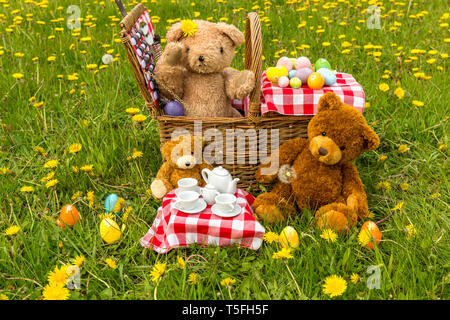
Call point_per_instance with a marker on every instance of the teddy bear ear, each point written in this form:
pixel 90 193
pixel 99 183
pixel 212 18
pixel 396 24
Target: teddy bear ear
pixel 371 140
pixel 232 32
pixel 174 34
pixel 329 101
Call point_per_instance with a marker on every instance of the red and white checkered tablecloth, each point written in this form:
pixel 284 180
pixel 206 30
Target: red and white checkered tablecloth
pixel 304 101
pixel 172 228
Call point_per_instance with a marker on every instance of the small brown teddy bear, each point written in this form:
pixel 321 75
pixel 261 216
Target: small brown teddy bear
pixel 195 66
pixel 318 172
pixel 180 162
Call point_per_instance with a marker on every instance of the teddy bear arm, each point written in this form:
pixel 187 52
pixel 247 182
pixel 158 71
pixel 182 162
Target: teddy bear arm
pixel 164 175
pixel 170 73
pixel 353 190
pixel 238 84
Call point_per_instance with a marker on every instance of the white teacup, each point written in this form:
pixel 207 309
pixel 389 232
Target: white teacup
pixel 187 200
pixel 187 184
pixel 225 202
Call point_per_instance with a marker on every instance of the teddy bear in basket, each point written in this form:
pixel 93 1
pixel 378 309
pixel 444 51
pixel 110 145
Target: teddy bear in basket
pixel 180 162
pixel 318 172
pixel 195 66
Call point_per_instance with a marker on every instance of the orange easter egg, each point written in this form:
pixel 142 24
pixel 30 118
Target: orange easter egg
pixel 316 81
pixel 370 235
pixel 69 215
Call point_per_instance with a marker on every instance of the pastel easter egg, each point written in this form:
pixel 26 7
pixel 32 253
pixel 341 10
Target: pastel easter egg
pixel 289 238
pixel 285 62
pixel 291 74
pixel 110 231
pixel 274 73
pixel 322 63
pixel 283 82
pixel 302 62
pixel 316 81
pixel 295 83
pixel 174 108
pixel 110 202
pixel 303 74
pixel 328 75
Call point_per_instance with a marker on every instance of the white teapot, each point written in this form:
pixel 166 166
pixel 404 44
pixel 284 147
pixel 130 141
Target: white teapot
pixel 221 179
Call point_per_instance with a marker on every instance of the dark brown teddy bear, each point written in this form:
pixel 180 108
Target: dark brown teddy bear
pixel 180 162
pixel 318 172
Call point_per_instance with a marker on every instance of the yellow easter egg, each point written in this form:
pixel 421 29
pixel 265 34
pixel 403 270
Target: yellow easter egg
pixel 289 238
pixel 275 73
pixel 110 231
pixel 282 72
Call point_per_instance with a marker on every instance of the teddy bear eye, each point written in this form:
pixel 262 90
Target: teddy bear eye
pixel 221 50
pixel 324 133
pixel 342 148
pixel 187 49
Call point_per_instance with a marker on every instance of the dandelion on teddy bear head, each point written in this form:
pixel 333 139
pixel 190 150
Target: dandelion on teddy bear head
pixel 209 48
pixel 183 152
pixel 339 133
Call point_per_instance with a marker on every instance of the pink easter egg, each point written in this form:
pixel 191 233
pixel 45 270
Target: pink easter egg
pixel 303 74
pixel 283 82
pixel 302 62
pixel 285 62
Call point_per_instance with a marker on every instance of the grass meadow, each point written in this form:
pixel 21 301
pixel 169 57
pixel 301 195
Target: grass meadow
pixel 56 96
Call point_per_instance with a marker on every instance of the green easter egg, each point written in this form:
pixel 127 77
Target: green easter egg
pixel 322 63
pixel 295 83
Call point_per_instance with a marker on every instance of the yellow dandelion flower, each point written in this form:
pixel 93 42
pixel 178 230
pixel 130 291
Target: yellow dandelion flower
pixel 158 270
pixel 383 87
pixel 5 171
pixel 399 92
pixel 13 230
pixel 404 186
pixel 132 111
pixel 410 231
pixel 442 147
pixel 74 169
pixel 119 205
pixel 139 118
pixel 329 235
pixel 38 105
pixel 271 237
pixel 398 206
pixel 418 103
pixel 48 177
pixel 87 168
pixel 51 164
pixel 111 263
pixel 181 262
pixel 436 195
pixel 384 185
pixel 334 286
pixel 127 213
pixel 227 282
pixel 3 297
pixel 382 158
pixel 364 237
pixel 79 260
pixel 26 189
pixel 354 278
pixel 17 76
pixel 193 278
pixel 58 275
pixel 326 44
pixel 52 183
pixel 77 195
pixel 283 253
pixel 91 66
pixel 74 148
pixel 403 148
pixel 188 27
pixel 137 154
pixel 55 291
pixel 90 197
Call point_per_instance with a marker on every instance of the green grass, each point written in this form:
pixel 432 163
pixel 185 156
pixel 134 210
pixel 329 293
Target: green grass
pixel 417 268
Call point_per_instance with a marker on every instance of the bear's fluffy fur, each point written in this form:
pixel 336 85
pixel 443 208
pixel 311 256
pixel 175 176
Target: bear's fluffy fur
pixel 196 68
pixel 324 174
pixel 180 162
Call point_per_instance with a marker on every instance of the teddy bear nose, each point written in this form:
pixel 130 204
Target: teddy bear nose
pixel 201 59
pixel 188 164
pixel 323 152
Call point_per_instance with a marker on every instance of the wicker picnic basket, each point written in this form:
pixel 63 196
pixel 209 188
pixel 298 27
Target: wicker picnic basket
pixel 289 127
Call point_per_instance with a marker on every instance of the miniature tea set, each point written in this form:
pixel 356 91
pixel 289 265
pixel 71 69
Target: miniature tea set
pixel 219 192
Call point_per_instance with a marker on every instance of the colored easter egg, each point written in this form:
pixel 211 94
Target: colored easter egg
pixel 289 238
pixel 285 62
pixel 110 202
pixel 274 73
pixel 110 231
pixel 291 74
pixel 283 82
pixel 370 235
pixel 316 81
pixel 328 75
pixel 322 63
pixel 302 62
pixel 69 215
pixel 303 74
pixel 174 108
pixel 295 83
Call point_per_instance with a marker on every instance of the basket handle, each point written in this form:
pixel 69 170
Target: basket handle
pixel 253 60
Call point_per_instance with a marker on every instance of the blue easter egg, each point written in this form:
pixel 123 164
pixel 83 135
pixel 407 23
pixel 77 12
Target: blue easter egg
pixel 110 202
pixel 174 108
pixel 291 74
pixel 328 75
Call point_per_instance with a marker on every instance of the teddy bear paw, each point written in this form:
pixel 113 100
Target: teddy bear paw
pixel 245 84
pixel 269 213
pixel 173 53
pixel 336 216
pixel 158 189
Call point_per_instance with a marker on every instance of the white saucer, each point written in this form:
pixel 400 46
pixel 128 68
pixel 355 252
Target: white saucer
pixel 178 190
pixel 201 205
pixel 236 211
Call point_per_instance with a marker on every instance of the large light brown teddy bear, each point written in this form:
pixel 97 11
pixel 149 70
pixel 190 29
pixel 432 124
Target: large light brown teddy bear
pixel 318 172
pixel 195 66
pixel 180 162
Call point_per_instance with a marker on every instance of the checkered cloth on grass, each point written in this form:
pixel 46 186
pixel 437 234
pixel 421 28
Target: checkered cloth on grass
pixel 173 228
